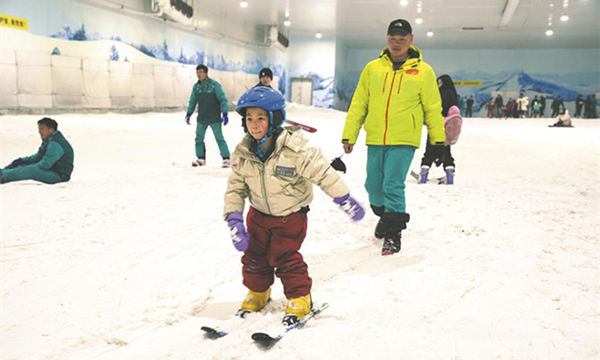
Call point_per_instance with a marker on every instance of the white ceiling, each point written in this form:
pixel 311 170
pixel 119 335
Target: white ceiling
pixel 363 23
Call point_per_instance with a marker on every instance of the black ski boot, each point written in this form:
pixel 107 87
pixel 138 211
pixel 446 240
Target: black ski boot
pixel 380 227
pixel 391 244
pixel 393 224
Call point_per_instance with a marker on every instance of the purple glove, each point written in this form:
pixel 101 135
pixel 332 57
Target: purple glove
pixel 225 118
pixel 187 118
pixel 237 230
pixel 350 207
pixel 15 163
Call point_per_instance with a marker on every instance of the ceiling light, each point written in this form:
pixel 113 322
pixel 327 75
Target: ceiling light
pixel 287 22
pixel 419 20
pixel 419 10
pixel 564 18
pixel 551 5
pixel 549 32
pixel 403 2
pixel 243 4
pixel 430 33
pixel 318 35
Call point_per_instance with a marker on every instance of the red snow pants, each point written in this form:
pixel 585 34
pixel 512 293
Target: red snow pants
pixel 273 249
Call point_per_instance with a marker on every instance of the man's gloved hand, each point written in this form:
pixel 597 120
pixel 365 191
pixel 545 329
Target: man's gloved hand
pixel 15 163
pixel 438 154
pixel 187 118
pixel 225 118
pixel 350 206
pixel 237 230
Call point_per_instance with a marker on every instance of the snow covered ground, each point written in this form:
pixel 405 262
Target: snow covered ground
pixel 131 258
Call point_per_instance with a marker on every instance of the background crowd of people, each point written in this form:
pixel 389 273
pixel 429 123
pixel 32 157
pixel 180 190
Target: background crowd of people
pixel 523 106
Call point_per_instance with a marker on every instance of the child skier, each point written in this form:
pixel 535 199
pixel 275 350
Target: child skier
pixel 448 95
pixel 274 168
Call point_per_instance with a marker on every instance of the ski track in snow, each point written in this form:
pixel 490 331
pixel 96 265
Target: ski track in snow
pixel 132 257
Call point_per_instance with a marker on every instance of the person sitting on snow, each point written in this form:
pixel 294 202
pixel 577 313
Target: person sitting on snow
pixel 275 169
pixel 53 163
pixel 564 120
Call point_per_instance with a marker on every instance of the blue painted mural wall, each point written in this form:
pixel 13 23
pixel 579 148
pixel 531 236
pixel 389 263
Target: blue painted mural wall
pixel 553 72
pixel 72 20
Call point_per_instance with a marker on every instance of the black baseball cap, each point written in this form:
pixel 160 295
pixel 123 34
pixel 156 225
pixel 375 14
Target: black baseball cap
pixel 265 72
pixel 399 27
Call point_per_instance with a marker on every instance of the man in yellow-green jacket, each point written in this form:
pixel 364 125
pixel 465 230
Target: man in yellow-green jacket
pixel 396 94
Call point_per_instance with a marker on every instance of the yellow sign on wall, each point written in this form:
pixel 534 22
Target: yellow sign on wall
pixel 13 22
pixel 467 83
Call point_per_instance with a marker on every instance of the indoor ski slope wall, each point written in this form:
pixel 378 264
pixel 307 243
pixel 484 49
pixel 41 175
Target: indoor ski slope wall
pixel 35 80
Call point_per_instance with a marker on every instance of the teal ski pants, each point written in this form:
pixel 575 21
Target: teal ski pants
pixel 201 132
pixel 30 172
pixel 387 167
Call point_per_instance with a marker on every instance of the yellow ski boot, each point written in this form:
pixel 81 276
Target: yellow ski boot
pixel 254 301
pixel 296 309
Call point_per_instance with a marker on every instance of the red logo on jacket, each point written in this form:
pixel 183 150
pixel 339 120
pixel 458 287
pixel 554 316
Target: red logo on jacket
pixel 412 72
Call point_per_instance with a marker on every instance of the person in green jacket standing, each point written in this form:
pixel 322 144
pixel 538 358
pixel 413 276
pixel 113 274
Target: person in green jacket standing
pixel 210 99
pixel 396 94
pixel 53 163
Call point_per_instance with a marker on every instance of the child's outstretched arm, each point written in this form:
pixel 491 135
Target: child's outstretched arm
pixel 317 169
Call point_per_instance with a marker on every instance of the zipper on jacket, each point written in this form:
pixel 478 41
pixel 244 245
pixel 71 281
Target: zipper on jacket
pixel 400 83
pixel 264 188
pixel 387 108
pixel 384 82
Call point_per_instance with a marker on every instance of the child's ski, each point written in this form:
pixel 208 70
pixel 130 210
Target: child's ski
pixel 310 129
pixel 212 333
pixel 440 180
pixel 267 341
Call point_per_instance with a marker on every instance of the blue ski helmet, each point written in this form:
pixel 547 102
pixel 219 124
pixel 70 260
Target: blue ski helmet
pixel 265 98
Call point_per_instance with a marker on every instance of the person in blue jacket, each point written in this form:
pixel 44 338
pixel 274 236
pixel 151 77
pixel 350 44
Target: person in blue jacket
pixel 53 163
pixel 210 99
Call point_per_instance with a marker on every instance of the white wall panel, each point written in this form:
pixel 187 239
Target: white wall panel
pixel 34 101
pixel 227 82
pixel 185 78
pixel 239 86
pixel 8 82
pixel 29 58
pixel 143 85
pixel 8 57
pixel 8 101
pixel 95 83
pixel 164 91
pixel 120 84
pixel 34 80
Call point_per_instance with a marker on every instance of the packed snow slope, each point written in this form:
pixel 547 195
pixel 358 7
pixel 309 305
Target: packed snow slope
pixel 131 257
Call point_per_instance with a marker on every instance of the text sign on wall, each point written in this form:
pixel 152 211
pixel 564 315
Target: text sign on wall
pixel 13 22
pixel 467 83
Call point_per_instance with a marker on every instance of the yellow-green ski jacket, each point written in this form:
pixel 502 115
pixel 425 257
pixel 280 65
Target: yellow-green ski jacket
pixel 393 104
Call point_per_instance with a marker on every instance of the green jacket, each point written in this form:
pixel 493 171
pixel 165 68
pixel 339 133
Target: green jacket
pixel 282 184
pixel 55 154
pixel 210 99
pixel 394 104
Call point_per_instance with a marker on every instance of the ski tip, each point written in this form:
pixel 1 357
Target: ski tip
pixel 323 306
pixel 212 333
pixel 264 340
